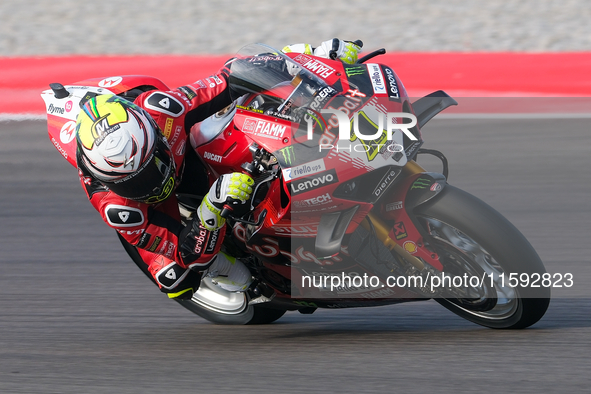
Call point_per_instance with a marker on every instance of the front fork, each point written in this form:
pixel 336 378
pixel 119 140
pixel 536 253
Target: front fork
pixel 400 231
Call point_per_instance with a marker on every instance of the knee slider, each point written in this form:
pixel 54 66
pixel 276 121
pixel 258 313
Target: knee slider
pixel 175 279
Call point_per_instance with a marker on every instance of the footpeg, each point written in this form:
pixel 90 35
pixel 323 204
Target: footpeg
pixel 259 294
pixel 261 299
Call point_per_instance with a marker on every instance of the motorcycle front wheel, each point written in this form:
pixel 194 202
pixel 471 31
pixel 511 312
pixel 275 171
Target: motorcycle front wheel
pixel 220 306
pixel 474 240
pixel 213 303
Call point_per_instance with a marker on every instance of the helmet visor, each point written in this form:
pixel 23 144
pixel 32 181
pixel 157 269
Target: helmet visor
pixel 153 182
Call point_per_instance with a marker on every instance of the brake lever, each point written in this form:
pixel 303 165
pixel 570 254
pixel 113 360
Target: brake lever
pixel 259 221
pixel 371 55
pixel 226 212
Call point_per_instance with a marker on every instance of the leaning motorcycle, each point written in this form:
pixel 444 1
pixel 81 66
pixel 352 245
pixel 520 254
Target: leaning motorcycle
pixel 341 215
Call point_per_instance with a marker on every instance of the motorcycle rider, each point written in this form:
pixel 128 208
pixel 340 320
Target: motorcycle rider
pixel 131 158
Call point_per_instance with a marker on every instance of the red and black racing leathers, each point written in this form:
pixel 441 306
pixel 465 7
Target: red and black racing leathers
pixel 156 229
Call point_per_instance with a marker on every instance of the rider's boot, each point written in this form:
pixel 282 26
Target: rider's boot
pixel 229 273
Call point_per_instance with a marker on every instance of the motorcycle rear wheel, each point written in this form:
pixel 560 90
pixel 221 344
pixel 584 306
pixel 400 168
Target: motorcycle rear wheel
pixel 471 237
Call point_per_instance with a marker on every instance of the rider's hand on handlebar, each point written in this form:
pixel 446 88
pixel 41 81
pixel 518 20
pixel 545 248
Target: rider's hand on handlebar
pixel 346 51
pixel 227 190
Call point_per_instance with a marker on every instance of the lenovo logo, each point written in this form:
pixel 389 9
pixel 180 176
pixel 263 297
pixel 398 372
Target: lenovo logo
pixel 314 182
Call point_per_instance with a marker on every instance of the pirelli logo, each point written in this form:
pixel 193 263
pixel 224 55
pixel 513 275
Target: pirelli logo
pixel 155 244
pixel 168 128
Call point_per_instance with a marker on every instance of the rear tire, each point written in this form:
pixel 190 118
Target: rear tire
pixel 470 236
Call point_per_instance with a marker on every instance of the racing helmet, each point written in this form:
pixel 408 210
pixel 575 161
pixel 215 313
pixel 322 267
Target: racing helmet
pixel 122 147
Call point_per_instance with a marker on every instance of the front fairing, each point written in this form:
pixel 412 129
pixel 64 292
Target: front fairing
pixel 286 113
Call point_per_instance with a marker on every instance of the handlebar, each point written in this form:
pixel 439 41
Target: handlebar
pixel 373 54
pixel 226 211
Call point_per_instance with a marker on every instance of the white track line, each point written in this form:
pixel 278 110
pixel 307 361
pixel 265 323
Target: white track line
pixel 21 117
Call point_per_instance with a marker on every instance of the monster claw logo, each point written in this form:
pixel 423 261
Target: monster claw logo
pixel 421 183
pixel 288 155
pixel 358 70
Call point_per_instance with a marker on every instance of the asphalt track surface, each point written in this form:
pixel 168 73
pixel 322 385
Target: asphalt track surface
pixel 78 317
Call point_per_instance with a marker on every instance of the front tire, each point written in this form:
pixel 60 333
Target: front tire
pixel 220 306
pixel 470 236
pixel 213 303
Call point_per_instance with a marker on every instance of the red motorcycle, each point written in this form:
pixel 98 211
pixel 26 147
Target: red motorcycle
pixel 341 215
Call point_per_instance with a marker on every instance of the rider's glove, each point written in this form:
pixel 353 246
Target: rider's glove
pixel 306 49
pixel 346 51
pixel 229 188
